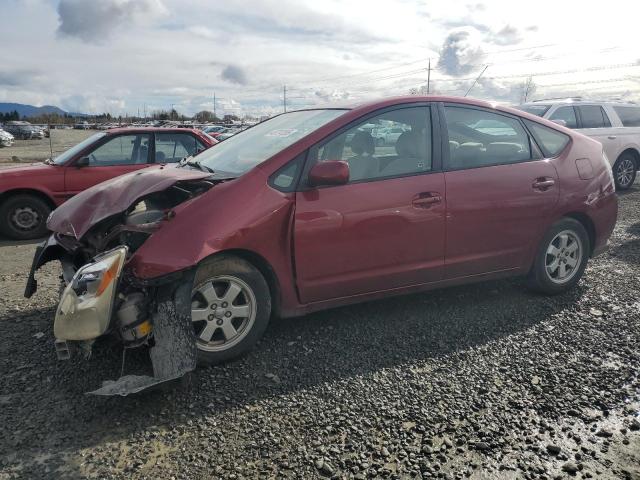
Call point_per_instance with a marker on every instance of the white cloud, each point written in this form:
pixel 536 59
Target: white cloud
pixel 95 21
pixel 155 53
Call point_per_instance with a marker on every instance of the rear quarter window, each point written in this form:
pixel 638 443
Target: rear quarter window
pixel 552 142
pixel 629 116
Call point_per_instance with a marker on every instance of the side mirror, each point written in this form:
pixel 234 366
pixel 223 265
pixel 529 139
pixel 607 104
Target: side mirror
pixel 331 172
pixel 82 162
pixel 562 123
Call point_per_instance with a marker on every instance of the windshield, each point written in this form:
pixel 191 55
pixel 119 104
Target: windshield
pixel 66 156
pixel 538 110
pixel 243 151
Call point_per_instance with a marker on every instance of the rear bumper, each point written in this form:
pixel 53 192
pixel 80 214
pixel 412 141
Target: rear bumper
pixel 604 213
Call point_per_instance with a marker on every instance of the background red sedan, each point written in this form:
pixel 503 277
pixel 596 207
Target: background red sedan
pixel 29 193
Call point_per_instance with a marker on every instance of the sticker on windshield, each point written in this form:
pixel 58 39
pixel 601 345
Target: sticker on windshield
pixel 283 132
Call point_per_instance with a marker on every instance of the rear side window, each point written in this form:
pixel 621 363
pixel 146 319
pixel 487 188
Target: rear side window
pixel 629 116
pixel 172 147
pixel 551 141
pixel 593 116
pixel 567 114
pixel 478 138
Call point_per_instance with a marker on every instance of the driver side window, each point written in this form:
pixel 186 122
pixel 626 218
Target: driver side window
pixel 121 150
pixel 394 143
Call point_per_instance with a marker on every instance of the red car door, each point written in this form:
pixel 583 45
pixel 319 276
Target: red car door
pixel 119 154
pixel 382 230
pixel 499 196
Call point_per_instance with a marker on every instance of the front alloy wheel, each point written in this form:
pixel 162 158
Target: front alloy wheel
pixel 223 310
pixel 230 308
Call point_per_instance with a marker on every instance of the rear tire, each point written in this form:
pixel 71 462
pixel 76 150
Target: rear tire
pixel 561 258
pixel 230 308
pixel 624 171
pixel 24 217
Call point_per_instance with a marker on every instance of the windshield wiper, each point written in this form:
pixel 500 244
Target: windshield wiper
pixel 198 165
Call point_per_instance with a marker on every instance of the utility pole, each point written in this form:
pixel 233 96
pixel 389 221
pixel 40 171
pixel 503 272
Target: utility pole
pixel 429 78
pixel 476 80
pixel 284 97
pixel 214 106
pixel 527 88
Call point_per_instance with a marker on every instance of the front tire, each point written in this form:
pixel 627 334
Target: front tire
pixel 624 171
pixel 24 217
pixel 561 258
pixel 230 308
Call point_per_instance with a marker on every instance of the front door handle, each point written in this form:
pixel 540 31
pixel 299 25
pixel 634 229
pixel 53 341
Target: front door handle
pixel 612 137
pixel 543 183
pixel 426 199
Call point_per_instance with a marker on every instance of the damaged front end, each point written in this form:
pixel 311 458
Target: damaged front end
pixel 101 296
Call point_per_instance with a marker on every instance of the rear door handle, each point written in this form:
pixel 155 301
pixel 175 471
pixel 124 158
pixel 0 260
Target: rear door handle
pixel 612 137
pixel 543 183
pixel 426 199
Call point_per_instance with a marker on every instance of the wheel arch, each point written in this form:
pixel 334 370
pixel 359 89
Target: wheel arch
pixel 263 266
pixel 588 225
pixel 28 191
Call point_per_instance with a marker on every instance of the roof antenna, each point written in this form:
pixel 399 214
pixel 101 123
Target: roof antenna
pixel 476 80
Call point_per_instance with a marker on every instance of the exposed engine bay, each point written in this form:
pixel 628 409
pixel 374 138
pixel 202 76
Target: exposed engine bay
pixel 101 297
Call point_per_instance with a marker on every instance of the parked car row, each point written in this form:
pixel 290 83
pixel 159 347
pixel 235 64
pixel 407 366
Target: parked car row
pixel 24 130
pixel 304 212
pixel 615 125
pixel 6 139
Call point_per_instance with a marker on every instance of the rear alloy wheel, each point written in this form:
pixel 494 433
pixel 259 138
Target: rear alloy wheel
pixel 624 171
pixel 24 217
pixel 230 308
pixel 561 258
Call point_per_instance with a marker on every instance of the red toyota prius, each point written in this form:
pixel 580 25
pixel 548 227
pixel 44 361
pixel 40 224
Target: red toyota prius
pixel 28 193
pixel 307 211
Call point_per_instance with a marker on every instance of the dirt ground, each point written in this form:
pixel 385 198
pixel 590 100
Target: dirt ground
pixel 483 381
pixel 39 150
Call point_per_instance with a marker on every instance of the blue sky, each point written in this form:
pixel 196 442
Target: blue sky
pixel 123 55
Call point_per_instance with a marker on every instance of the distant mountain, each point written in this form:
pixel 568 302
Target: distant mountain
pixel 29 110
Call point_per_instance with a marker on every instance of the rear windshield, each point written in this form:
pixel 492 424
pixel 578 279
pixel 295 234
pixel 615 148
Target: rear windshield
pixel 536 109
pixel 552 142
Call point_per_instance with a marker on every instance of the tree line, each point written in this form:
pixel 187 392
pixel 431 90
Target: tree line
pixel 66 119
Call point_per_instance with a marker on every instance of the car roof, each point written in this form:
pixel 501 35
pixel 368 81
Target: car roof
pixel 579 101
pixel 148 130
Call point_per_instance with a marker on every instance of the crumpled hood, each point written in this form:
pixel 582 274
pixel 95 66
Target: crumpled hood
pixel 77 215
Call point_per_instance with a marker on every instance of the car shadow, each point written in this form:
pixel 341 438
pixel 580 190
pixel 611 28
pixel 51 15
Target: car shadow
pixel 295 354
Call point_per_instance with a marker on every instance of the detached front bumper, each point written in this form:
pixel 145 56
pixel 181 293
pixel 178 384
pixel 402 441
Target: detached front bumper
pixel 99 297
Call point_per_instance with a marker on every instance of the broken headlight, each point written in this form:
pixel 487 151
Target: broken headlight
pixel 86 304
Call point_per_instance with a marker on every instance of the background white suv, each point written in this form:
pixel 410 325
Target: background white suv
pixel 615 125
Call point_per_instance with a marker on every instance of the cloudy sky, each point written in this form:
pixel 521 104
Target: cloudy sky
pixel 123 55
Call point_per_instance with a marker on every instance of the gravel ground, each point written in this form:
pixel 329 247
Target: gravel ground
pixel 483 381
pixel 39 150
